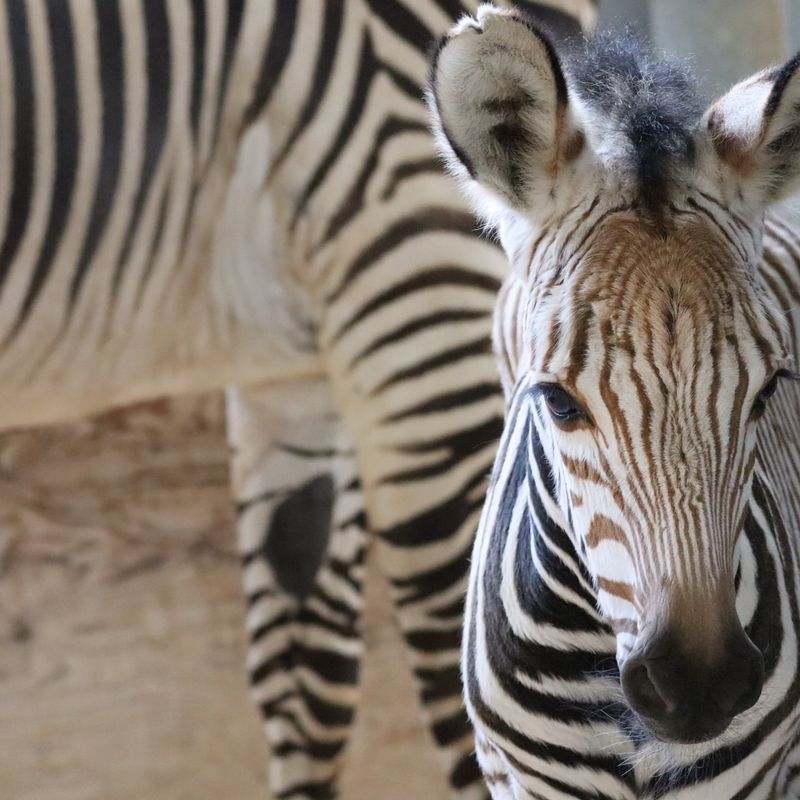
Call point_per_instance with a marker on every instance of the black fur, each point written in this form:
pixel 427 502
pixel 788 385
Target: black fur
pixel 558 25
pixel 784 148
pixel 782 77
pixel 653 100
pixel 298 535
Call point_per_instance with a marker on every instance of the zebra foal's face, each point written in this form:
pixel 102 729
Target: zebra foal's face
pixel 635 223
pixel 652 367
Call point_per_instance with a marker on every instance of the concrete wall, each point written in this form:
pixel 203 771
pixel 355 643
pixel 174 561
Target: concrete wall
pixel 618 14
pixel 726 39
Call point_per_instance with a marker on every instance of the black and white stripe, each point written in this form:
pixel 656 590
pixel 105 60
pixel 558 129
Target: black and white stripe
pixel 541 677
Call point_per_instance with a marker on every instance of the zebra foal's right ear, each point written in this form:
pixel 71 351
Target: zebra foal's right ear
pixel 755 132
pixel 498 102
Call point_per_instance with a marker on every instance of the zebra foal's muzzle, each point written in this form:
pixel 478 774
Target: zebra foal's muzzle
pixel 683 697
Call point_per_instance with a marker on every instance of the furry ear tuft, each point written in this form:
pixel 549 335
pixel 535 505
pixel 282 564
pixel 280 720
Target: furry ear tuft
pixel 755 130
pixel 498 101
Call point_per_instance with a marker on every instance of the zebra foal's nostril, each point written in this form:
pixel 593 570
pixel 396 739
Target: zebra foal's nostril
pixel 641 690
pixel 690 699
pixel 739 683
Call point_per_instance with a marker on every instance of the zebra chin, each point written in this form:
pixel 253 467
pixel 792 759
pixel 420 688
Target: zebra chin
pixel 688 699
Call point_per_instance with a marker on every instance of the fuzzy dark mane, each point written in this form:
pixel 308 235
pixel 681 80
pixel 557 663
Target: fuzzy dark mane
pixel 652 99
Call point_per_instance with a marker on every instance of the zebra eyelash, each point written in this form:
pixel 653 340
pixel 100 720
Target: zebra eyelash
pixel 549 392
pixel 770 388
pixel 781 374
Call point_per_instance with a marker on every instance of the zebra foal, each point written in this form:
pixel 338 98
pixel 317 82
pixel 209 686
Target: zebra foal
pixel 197 194
pixel 634 605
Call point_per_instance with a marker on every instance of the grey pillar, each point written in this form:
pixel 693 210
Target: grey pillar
pixel 792 10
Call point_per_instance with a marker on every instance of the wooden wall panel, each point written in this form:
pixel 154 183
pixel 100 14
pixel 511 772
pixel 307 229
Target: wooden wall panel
pixel 121 644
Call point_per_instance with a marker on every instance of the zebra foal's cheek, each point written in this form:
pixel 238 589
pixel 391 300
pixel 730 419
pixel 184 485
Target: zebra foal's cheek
pixel 608 555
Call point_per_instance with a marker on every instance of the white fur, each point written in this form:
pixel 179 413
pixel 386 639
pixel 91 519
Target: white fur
pixel 739 116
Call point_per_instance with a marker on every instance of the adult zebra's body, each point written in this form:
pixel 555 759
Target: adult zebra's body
pixel 634 605
pixel 201 194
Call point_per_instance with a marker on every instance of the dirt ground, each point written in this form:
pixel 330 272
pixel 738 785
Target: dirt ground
pixel 121 644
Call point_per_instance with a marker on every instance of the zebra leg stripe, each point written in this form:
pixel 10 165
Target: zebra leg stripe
pixel 303 545
pixel 425 429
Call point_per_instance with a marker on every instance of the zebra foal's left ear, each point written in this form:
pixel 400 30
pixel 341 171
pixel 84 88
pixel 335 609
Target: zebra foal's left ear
pixel 755 130
pixel 498 101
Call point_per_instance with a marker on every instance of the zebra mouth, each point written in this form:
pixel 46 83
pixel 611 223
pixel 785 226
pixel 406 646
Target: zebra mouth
pixel 701 727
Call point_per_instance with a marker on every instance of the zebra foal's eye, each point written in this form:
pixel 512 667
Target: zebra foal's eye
pixel 560 403
pixel 760 404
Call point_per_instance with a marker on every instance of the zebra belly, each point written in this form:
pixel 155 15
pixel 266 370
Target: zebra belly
pixel 61 389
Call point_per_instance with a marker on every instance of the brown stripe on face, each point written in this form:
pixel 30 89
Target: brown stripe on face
pixel 616 490
pixel 713 393
pixel 584 471
pixel 704 453
pixel 604 529
pixel 624 625
pixel 602 220
pixel 553 340
pixel 646 410
pixel 616 588
pixel 788 295
pixel 748 467
pixel 720 230
pixel 580 345
pixel 566 244
pixel 621 431
pixel 735 422
pixel 765 348
pixel 744 224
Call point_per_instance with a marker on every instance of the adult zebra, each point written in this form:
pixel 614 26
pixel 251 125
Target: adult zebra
pixel 634 605
pixel 203 194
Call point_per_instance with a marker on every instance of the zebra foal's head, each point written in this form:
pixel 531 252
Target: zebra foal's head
pixel 634 220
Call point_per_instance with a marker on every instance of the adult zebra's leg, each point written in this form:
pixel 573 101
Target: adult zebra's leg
pixel 407 341
pixel 303 543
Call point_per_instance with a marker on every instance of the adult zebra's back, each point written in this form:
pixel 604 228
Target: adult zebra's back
pixel 199 194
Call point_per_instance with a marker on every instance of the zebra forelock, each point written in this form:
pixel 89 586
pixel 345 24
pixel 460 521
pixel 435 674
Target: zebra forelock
pixel 652 100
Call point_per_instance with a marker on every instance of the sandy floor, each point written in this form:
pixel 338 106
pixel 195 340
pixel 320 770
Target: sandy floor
pixel 121 639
